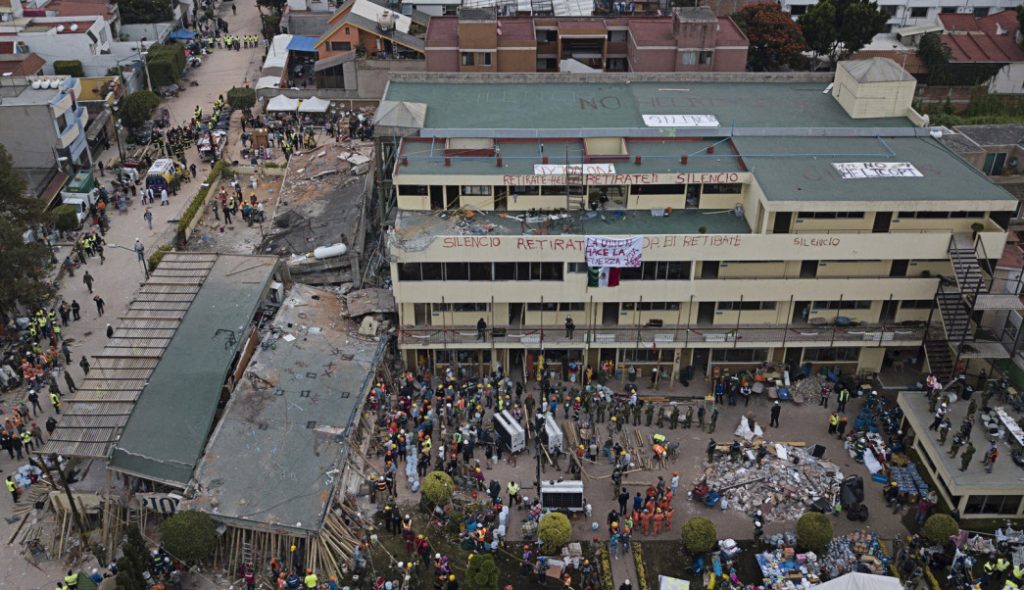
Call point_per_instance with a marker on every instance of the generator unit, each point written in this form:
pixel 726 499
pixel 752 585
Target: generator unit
pixel 562 495
pixel 552 435
pixel 510 433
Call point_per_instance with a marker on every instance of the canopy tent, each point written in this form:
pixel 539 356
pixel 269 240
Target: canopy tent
pixel 268 82
pixel 399 118
pixel 277 56
pixel 282 103
pixel 302 43
pixel 181 35
pixel 859 581
pixel 314 105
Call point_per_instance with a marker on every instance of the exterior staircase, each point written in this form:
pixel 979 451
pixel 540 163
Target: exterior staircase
pixel 939 358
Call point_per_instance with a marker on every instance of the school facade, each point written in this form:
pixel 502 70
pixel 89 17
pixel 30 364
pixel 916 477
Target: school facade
pixel 779 222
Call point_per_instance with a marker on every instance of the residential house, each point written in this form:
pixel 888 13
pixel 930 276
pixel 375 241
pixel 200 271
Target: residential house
pixel 920 12
pixel 367 28
pixel 690 40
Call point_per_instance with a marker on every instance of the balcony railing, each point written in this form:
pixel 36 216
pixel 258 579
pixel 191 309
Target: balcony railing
pixel 669 336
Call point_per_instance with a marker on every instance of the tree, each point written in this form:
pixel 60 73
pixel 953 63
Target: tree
pixel 133 562
pixel 935 56
pixel 699 535
pixel 814 531
pixel 65 218
pixel 21 264
pixel 189 536
pixel 275 6
pixel 554 531
pixel 138 107
pixel 145 11
pixel 242 98
pixel 437 487
pixel 939 528
pixel 775 40
pixel 838 28
pixel 482 573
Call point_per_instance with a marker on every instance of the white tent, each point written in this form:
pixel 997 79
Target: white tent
pixel 859 581
pixel 282 103
pixel 268 82
pixel 314 105
pixel 277 56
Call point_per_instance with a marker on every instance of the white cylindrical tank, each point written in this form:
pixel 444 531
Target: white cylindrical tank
pixel 330 251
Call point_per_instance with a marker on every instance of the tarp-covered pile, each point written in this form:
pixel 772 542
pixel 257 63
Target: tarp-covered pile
pixel 860 550
pixel 783 488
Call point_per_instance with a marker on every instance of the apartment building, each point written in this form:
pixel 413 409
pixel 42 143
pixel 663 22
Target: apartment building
pixel 690 40
pixel 60 38
pixel 908 13
pixel 42 125
pixel 742 222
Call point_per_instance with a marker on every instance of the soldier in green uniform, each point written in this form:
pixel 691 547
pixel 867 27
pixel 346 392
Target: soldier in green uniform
pixel 649 411
pixel 954 448
pixel 966 456
pixel 674 418
pixel 688 420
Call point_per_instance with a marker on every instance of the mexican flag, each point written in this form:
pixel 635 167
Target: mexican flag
pixel 602 276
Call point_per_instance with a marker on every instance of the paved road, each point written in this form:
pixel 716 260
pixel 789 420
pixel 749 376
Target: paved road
pixel 118 279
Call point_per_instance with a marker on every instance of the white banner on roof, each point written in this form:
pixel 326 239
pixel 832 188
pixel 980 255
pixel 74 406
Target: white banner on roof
pixel 557 169
pixel 855 170
pixel 614 252
pixel 680 120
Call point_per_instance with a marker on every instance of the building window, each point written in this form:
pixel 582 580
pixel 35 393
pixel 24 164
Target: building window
pixel 578 267
pixel 830 215
pixel 413 190
pixel 617 64
pixel 651 306
pixel 459 307
pixel 467 59
pixel 646 355
pixel 616 36
pixel 657 271
pixel 889 10
pixel 949 10
pixel 835 354
pixel 348 31
pixel 798 9
pixel 486 59
pixel 981 11
pixel 992 505
pixel 706 57
pixel 525 190
pixel 477 190
pixel 547 306
pixel 739 355
pixel 481 271
pixel 689 58
pixel 746 305
pixel 940 214
pixel 723 189
pixel 919 12
pixel 845 304
pixel 916 304
pixel 341 46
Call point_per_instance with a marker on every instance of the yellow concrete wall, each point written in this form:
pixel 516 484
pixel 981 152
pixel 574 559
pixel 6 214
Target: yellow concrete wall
pixel 656 201
pixel 718 201
pixel 480 203
pixel 859 268
pixel 410 203
pixel 833 225
pixel 871 359
pixel 542 202
pixel 751 269
pixel 913 224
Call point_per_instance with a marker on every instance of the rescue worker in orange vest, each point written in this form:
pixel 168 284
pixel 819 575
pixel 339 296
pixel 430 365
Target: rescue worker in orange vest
pixel 645 521
pixel 659 520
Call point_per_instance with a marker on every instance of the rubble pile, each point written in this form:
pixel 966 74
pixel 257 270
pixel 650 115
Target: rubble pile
pixel 783 488
pixel 784 569
pixel 808 389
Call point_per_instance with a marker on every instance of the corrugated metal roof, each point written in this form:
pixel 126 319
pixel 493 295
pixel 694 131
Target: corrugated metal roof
pixel 94 416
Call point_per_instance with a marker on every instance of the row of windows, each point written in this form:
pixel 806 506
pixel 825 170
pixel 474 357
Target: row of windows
pixel 844 304
pixel 941 214
pixel 830 215
pixel 458 307
pixel 739 355
pixel 481 271
pixel 532 271
pixel 548 306
pixel 676 305
pixel 745 305
pixel 422 190
pixel 652 306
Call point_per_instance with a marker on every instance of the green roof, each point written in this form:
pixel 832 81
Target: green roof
pixel 621 105
pixel 801 169
pixel 168 427
pixel 520 156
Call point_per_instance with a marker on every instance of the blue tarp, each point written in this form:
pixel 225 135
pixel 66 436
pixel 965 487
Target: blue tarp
pixel 301 43
pixel 182 34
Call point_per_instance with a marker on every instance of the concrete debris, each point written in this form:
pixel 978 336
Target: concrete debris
pixel 783 487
